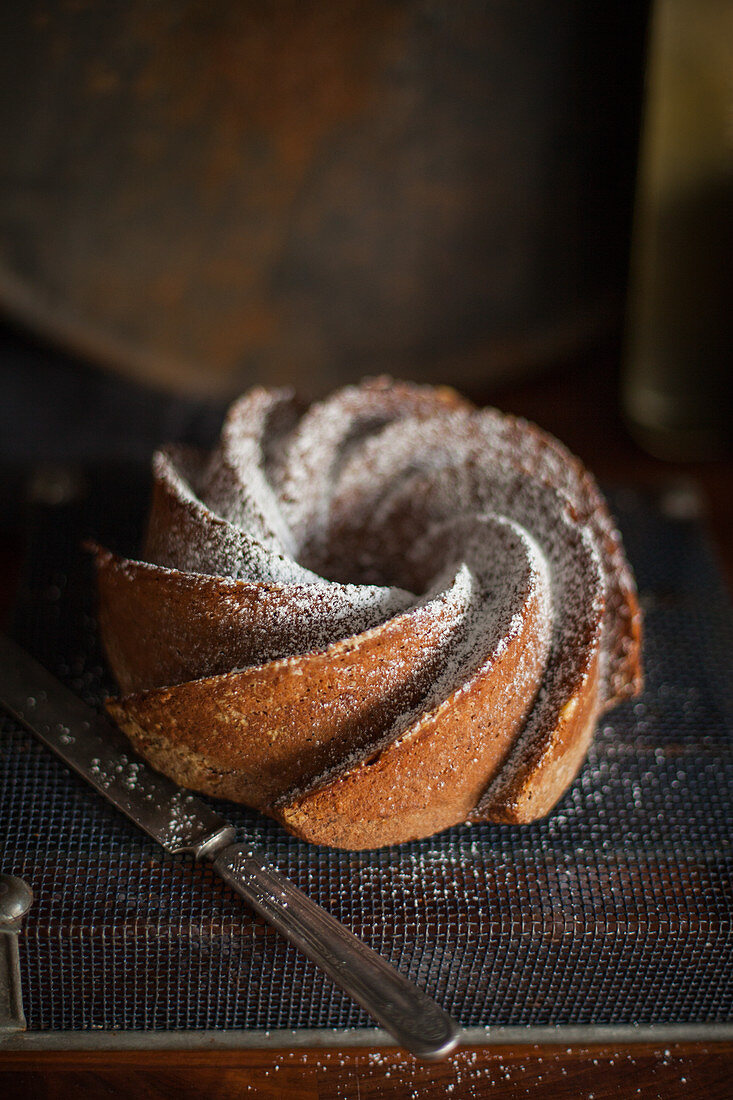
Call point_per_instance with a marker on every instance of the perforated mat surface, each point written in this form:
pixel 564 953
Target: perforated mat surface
pixel 615 910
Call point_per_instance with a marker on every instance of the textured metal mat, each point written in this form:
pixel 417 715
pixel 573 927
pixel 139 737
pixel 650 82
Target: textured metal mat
pixel 615 910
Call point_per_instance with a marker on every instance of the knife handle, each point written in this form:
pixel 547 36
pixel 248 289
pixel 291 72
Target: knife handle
pixel 408 1014
pixel 16 898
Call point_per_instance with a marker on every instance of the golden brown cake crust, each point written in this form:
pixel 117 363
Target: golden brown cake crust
pixel 373 619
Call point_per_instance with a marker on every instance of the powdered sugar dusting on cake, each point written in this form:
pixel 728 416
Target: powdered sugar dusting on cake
pixel 234 484
pixel 307 468
pixel 185 534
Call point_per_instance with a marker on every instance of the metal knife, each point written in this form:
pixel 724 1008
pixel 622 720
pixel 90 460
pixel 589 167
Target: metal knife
pixel 99 752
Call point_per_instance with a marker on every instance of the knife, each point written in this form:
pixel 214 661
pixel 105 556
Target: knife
pixel 182 823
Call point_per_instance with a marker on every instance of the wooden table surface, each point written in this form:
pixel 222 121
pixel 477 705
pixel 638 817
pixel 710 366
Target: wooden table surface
pixel 579 405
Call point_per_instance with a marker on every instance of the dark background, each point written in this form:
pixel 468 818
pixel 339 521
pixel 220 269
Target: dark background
pixel 199 197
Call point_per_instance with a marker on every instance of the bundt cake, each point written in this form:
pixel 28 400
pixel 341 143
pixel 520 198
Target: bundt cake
pixel 373 618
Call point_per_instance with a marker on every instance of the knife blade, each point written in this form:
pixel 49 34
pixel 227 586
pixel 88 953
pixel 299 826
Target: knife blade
pixel 183 824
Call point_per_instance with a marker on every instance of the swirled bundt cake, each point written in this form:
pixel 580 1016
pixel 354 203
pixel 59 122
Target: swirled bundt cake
pixel 374 618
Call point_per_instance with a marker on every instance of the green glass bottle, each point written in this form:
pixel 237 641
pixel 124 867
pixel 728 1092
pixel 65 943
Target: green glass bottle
pixel 678 375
